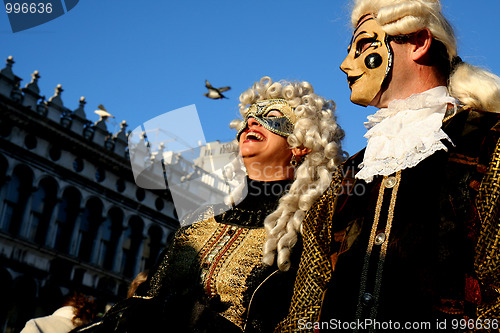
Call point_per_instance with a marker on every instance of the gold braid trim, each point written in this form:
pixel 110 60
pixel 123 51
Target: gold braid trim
pixel 315 268
pixel 487 257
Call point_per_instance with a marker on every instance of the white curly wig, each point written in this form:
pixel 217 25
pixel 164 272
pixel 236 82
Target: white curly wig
pixel 316 128
pixel 472 86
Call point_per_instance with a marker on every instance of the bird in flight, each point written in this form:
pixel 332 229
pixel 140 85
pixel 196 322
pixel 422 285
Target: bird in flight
pixel 103 113
pixel 215 93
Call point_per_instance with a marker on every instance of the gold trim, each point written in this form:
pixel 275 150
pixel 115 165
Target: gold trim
pixel 142 297
pixel 243 255
pixel 391 184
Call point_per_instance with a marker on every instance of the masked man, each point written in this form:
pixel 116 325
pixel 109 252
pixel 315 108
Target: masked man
pixel 407 233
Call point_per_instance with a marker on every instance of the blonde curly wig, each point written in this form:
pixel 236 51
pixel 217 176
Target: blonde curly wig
pixel 316 128
pixel 472 86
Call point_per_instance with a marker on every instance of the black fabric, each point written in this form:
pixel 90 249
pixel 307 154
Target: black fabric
pixel 261 199
pixel 431 245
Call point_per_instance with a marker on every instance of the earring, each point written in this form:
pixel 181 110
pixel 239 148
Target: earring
pixel 293 161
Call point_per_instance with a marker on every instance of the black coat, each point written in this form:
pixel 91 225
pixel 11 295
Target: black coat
pixel 428 273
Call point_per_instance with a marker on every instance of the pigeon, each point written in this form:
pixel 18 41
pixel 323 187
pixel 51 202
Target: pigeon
pixel 103 113
pixel 215 93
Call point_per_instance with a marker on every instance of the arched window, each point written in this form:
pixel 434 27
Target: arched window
pixel 111 230
pixel 152 247
pixel 67 212
pixel 131 244
pixel 42 205
pixel 18 192
pixel 89 224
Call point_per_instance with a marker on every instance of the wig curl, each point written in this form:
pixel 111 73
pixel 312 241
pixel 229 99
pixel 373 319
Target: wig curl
pixel 316 128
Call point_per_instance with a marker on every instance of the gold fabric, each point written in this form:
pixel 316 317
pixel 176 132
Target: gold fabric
pixel 226 254
pixel 315 268
pixel 487 259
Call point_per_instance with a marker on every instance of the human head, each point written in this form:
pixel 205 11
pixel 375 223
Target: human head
pixel 136 282
pixel 84 307
pixel 402 20
pixel 262 138
pixel 415 24
pixel 404 17
pixel 316 130
pixel 305 117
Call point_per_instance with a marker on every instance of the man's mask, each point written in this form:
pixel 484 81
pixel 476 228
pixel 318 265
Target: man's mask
pixel 369 61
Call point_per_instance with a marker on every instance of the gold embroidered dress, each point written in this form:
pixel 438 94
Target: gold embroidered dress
pixel 213 268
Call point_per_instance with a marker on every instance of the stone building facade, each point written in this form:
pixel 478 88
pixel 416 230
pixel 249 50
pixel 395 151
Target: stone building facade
pixel 71 215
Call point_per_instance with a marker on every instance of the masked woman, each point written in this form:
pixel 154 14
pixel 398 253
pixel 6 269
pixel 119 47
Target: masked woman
pixel 228 272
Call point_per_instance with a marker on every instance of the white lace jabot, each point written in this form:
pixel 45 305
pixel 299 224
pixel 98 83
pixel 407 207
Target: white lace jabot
pixel 405 133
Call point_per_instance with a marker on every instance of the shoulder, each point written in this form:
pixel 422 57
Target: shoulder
pixel 469 128
pixel 475 135
pixel 52 324
pixel 31 327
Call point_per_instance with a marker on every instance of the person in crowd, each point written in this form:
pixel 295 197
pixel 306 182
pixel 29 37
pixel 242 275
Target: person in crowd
pixel 136 282
pixel 233 270
pixel 77 310
pixel 408 232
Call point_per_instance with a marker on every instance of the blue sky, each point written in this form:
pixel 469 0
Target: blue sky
pixel 141 59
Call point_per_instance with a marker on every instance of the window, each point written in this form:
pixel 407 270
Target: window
pixel 18 192
pixel 140 194
pixel 132 242
pixel 89 224
pixel 67 212
pixel 152 247
pixel 78 164
pixel 100 175
pixel 55 153
pixel 159 204
pixel 109 235
pixel 120 185
pixel 42 205
pixel 30 141
pixel 104 246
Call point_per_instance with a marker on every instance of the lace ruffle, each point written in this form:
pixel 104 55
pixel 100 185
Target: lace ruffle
pixel 405 133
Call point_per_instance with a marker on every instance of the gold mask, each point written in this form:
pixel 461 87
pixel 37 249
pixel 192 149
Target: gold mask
pixel 279 125
pixel 368 62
